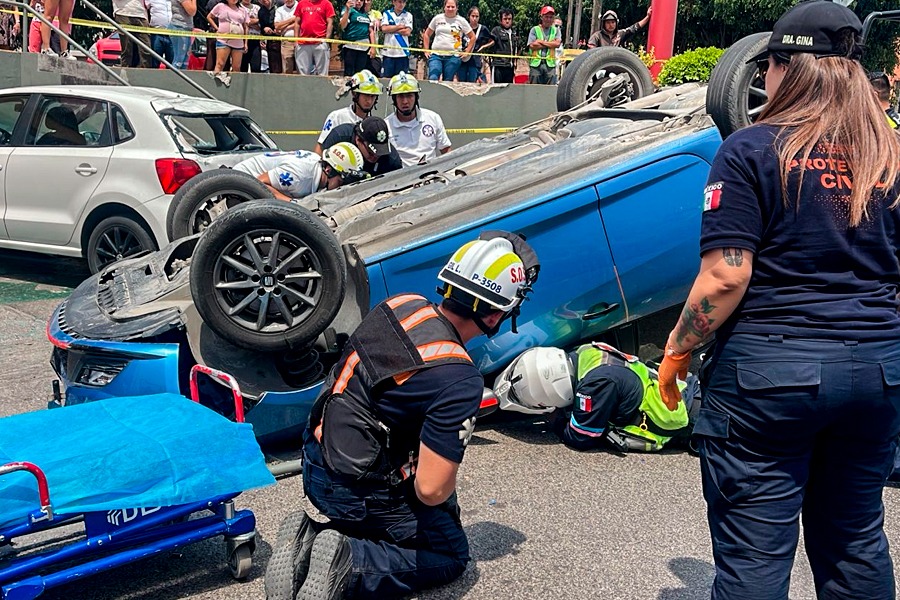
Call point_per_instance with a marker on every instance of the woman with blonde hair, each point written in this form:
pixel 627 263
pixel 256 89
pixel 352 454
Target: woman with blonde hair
pixel 799 278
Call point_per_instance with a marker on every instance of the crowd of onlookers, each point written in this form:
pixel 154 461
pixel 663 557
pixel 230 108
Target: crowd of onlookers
pixel 256 36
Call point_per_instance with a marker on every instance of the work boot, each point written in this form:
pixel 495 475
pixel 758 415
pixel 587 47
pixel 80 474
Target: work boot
pixel 329 567
pixel 289 563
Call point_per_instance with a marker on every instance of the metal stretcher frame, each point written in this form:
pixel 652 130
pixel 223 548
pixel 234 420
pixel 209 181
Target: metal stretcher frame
pixel 117 537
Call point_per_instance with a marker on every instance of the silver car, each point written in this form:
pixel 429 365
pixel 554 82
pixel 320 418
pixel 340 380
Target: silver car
pixel 90 170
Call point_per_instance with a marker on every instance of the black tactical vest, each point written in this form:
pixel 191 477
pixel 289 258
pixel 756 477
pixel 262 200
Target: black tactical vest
pixel 399 337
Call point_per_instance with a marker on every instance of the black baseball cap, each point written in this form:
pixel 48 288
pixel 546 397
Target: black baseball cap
pixel 373 131
pixel 810 27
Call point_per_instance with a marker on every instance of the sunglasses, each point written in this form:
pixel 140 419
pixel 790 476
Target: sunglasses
pixel 762 65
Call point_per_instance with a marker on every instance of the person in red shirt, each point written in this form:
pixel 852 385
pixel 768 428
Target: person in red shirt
pixel 315 19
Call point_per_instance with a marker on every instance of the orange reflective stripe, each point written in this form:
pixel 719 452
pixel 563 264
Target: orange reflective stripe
pixel 402 378
pixel 438 350
pixel 401 300
pixel 418 317
pixel 346 373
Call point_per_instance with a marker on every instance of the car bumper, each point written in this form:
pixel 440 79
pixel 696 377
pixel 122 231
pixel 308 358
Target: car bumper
pixel 91 370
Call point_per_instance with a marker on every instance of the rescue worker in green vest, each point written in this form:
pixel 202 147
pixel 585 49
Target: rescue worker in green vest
pixel 387 434
pixel 543 40
pixel 606 397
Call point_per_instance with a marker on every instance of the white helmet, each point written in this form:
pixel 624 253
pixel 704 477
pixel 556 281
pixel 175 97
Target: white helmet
pixel 490 271
pixel 345 159
pixel 536 382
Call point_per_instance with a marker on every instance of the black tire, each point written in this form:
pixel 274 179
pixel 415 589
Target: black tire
pixel 289 562
pixel 205 196
pixel 115 238
pixel 584 76
pixel 736 94
pixel 240 562
pixel 262 299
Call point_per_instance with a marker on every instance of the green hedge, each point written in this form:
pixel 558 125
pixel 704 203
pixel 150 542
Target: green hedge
pixel 694 65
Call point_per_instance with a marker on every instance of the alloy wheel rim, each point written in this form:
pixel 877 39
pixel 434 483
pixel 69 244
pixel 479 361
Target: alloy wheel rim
pixel 268 281
pixel 117 243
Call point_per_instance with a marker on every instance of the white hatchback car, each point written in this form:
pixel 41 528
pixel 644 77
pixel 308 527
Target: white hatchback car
pixel 90 170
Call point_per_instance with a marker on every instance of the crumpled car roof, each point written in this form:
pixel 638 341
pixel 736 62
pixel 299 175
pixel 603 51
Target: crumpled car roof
pixel 490 175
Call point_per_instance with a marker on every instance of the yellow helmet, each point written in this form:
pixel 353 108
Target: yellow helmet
pixel 402 83
pixel 345 159
pixel 365 82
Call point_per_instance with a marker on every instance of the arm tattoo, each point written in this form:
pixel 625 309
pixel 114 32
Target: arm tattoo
pixel 734 257
pixel 695 320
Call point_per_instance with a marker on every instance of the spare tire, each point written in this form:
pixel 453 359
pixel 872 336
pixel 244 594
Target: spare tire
pixel 736 94
pixel 585 75
pixel 206 196
pixel 268 276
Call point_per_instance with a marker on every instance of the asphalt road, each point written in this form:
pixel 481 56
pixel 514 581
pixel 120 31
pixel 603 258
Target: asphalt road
pixel 543 521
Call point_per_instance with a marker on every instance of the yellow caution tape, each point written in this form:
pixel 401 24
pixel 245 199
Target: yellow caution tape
pixel 460 131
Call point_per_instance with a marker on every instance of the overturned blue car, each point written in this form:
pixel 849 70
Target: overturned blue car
pixel 610 199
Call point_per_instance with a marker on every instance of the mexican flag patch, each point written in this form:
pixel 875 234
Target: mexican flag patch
pixel 712 196
pixel 584 403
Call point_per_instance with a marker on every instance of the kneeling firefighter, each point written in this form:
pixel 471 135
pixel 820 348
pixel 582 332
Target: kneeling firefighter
pixel 387 434
pixel 606 396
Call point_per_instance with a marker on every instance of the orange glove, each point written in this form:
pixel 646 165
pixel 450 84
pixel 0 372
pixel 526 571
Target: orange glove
pixel 673 365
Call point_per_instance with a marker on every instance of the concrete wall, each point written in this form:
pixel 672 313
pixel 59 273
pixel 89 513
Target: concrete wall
pixel 296 103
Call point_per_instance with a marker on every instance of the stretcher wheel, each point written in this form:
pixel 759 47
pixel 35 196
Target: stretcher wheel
pixel 240 561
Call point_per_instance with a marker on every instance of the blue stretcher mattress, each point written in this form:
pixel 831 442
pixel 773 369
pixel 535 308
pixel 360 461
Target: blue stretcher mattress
pixel 133 452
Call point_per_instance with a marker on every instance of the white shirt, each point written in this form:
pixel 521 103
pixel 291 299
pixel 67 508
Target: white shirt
pixel 129 8
pixel 160 13
pixel 418 140
pixel 335 118
pixel 449 34
pixel 295 174
pixel 283 13
pixel 392 47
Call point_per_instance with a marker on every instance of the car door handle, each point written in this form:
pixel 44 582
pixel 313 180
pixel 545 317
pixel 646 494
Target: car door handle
pixel 605 309
pixel 85 169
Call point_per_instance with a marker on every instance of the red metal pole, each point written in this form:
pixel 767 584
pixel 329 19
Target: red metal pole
pixel 661 35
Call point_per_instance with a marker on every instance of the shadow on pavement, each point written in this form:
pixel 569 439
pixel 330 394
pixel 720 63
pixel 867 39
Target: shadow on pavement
pixel 195 569
pixel 695 574
pixel 530 429
pixel 487 541
pixel 43 268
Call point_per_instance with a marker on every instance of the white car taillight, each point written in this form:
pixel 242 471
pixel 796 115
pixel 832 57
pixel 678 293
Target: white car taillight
pixel 174 172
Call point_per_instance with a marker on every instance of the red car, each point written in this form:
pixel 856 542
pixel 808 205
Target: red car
pixel 109 49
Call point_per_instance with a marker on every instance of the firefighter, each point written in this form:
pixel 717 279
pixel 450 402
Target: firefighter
pixel 603 396
pixel 387 434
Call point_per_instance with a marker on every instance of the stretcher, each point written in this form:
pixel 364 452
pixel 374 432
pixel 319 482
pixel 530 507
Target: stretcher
pixel 137 476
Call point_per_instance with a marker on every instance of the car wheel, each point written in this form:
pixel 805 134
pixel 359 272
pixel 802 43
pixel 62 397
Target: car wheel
pixel 206 196
pixel 736 94
pixel 585 77
pixel 115 238
pixel 268 276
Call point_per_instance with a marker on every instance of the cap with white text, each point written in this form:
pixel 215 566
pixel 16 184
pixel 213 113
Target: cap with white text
pixel 811 27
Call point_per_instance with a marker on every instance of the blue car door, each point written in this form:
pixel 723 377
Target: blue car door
pixel 576 297
pixel 652 220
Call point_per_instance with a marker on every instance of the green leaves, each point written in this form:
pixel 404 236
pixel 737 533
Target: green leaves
pixel 694 65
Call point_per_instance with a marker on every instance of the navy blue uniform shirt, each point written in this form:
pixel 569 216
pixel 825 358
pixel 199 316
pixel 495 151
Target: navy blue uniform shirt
pixel 606 394
pixel 813 275
pixel 385 164
pixel 437 406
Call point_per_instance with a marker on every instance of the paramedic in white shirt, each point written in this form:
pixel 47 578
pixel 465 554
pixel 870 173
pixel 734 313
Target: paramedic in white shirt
pixel 364 88
pixel 417 133
pixel 294 175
